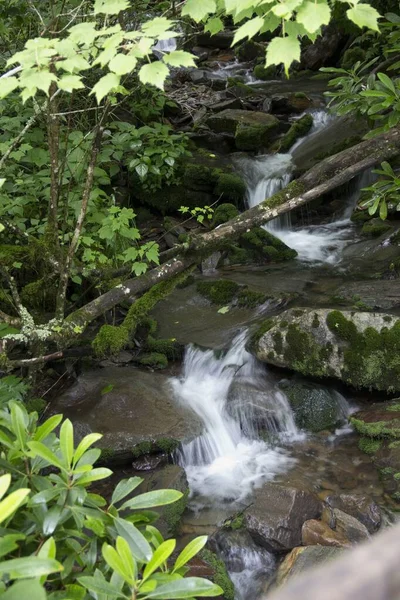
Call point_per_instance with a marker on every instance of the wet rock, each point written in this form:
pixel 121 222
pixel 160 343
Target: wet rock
pixel 234 103
pixel 122 358
pixel 325 47
pixel 315 408
pixel 133 409
pixel 291 104
pixel 149 462
pixel 304 558
pixel 232 544
pixel 250 50
pixel 315 533
pixel 223 39
pixel 376 227
pixel 350 527
pixel 276 517
pixel 210 566
pixel 373 294
pixel 359 348
pixel 266 105
pixel 201 53
pixel 361 507
pixel 252 130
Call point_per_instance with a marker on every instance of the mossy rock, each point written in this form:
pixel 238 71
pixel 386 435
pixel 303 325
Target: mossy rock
pixel 200 177
pixel 249 50
pixel 376 228
pixel 172 349
pixel 265 73
pixel 299 129
pixel 252 130
pixel 351 56
pixel 360 216
pixel 261 246
pixel 219 574
pixel 220 291
pixel 223 213
pixel 230 187
pixel 248 298
pixel 154 360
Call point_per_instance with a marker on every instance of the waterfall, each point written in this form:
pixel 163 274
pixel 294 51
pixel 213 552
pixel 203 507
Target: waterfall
pixel 232 396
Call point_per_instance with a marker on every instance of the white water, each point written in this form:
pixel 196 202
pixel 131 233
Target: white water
pixel 268 174
pixel 230 459
pixel 257 565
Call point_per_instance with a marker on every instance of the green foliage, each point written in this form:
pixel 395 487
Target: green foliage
pixel 299 129
pixel 351 56
pixel 223 213
pixel 384 192
pixel 69 539
pixel 155 360
pixel 221 576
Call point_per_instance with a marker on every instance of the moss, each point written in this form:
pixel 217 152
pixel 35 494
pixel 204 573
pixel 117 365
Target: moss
pixel 394 445
pixel 265 73
pixel 167 445
pixel 263 246
pixel 145 447
pixel 263 328
pixel 199 177
pixel 155 360
pixel 150 325
pixel 220 576
pixel 271 355
pixel 40 294
pixel 173 513
pixel 35 405
pixel 110 340
pixel 249 50
pixel 360 305
pixel 396 476
pixel 250 138
pixel 340 326
pixel 230 187
pixel 278 342
pixel 298 312
pixel 235 523
pixel 360 216
pixel 107 454
pixel 283 324
pixel 299 129
pixel 351 56
pixel 375 228
pixel 386 471
pixel 223 213
pixel 315 321
pixel 303 354
pixel 250 299
pixel 172 349
pixel 221 291
pixel 378 429
pixel 369 446
pixel 295 188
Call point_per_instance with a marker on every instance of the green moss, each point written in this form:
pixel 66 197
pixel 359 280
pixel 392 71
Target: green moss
pixel 303 354
pixel 235 523
pixel 155 360
pixel 35 405
pixel 394 407
pixel 386 471
pixel 340 326
pixel 295 188
pixel 250 138
pixel 265 73
pixel 283 324
pixel 199 177
pixel 262 246
pixel 173 513
pixel 145 447
pixel 360 305
pixel 220 576
pixel 107 454
pixel 360 216
pixel 223 213
pixel 249 50
pixel 375 228
pixel 221 291
pixel 230 187
pixel 369 446
pixel 167 445
pixel 351 56
pixel 396 476
pixel 378 429
pixel 250 299
pixel 150 324
pixel 172 349
pixel 299 129
pixel 110 340
pixel 263 327
pixel 40 294
pixel 298 312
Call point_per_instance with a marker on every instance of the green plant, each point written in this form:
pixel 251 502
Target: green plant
pixel 68 538
pixel 386 190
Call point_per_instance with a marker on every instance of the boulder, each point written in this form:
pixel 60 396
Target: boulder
pixel 349 527
pixel 371 294
pixel 209 565
pixel 325 47
pixel 133 409
pixel 358 348
pixel 315 408
pixel 223 39
pixel 304 558
pixel 361 507
pixel 252 130
pixel 233 103
pixel 318 533
pixel 276 516
pixel 290 104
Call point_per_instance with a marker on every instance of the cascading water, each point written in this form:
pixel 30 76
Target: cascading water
pixel 268 174
pixel 230 459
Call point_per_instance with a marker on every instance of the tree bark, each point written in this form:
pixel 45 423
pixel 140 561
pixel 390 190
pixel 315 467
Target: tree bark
pixel 320 179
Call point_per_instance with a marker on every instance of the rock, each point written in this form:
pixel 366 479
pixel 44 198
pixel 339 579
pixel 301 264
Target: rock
pixel 208 565
pixel 376 227
pixel 149 462
pixel 171 477
pixel 315 408
pixel 350 527
pixel 361 507
pixel 358 348
pixel 223 39
pixel 266 105
pixel 136 415
pixel 202 77
pixel 171 240
pixel 372 294
pixel 315 533
pixel 277 514
pixel 291 104
pixel 252 130
pixel 122 358
pixel 304 558
pixel 234 103
pixel 324 48
pixel 201 53
pixel 249 50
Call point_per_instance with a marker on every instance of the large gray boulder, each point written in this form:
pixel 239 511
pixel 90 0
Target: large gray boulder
pixel 359 348
pixel 276 516
pixel 133 409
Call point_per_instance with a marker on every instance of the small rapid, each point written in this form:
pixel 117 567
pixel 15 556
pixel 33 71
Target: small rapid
pixel 237 404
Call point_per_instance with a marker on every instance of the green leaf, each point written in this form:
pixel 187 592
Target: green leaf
pixel 125 487
pixel 224 310
pixel 313 15
pixel 8 543
pixel 10 504
pixel 374 207
pixel 249 29
pixel 18 424
pixel 383 211
pixel 25 589
pixel 179 58
pixel 31 566
pixel 189 551
pixel 364 15
pixel 5 481
pixel 8 85
pixel 283 50
pixel 138 544
pixel 142 170
pixel 101 587
pixel 110 7
pixel 155 498
pixel 190 587
pixel 154 73
pixel 105 85
pixel 113 559
pixel 47 427
pixel 84 444
pixel 198 10
pixel 39 449
pixel 387 82
pixel 122 64
pixel 69 83
pixel 159 557
pixel 214 25
pixel 67 441
pixel 94 475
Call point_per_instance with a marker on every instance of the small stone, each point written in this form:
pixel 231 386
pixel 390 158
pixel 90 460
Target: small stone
pixel 304 558
pixel 350 527
pixel 315 533
pixel 361 507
